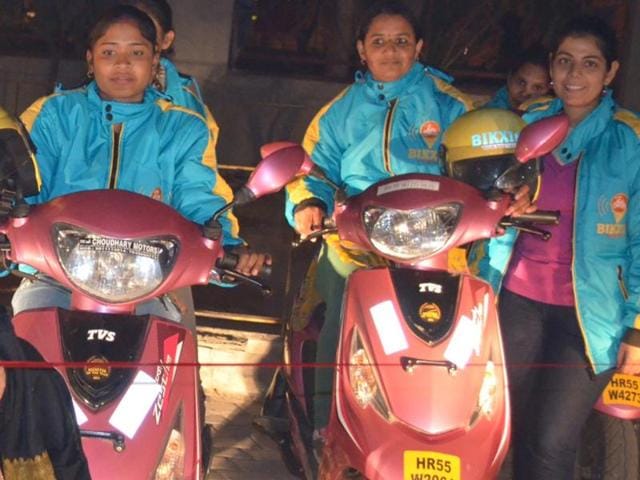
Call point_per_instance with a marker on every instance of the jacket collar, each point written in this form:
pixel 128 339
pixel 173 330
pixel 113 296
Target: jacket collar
pixel 590 127
pixel 113 112
pixel 174 80
pixel 385 91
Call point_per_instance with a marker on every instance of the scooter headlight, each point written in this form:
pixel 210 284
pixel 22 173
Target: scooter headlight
pixel 113 269
pixel 171 466
pixel 487 395
pixel 363 378
pixel 411 234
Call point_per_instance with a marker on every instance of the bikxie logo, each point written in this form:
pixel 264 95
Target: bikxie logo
pixel 494 140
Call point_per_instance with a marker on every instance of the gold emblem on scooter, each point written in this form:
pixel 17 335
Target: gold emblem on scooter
pixel 97 369
pixel 430 312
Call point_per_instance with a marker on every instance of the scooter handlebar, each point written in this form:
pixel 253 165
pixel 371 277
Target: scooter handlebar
pixel 229 261
pixel 540 217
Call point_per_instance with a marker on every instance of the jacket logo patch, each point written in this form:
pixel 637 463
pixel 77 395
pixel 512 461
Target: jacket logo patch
pixel 619 204
pixel 157 194
pixel 618 207
pixel 430 131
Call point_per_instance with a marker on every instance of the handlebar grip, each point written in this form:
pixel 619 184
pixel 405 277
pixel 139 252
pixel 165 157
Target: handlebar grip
pixel 229 261
pixel 540 217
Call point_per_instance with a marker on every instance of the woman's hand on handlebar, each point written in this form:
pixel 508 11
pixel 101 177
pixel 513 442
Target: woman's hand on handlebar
pixel 308 219
pixel 250 263
pixel 521 202
pixel 629 359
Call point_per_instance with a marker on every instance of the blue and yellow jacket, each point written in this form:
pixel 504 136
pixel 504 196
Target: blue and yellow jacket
pixel 499 100
pixel 606 230
pixel 184 91
pixel 374 130
pixel 163 151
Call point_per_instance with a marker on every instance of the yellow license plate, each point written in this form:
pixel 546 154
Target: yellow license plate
pixel 424 465
pixel 622 390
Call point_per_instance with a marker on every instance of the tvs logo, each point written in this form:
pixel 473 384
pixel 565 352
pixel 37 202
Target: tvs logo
pixel 430 130
pixel 100 334
pixel 429 287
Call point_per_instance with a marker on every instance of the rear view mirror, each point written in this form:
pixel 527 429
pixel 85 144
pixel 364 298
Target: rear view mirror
pixel 541 137
pixel 281 163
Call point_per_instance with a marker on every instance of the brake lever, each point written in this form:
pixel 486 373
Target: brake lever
pixel 543 234
pixel 313 236
pixel 266 290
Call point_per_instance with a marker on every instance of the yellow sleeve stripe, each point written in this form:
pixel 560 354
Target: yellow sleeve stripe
pixel 453 92
pixel 541 104
pixel 628 118
pixel 9 122
pixel 636 322
pixel 312 135
pixel 28 117
pixel 297 190
pixel 221 188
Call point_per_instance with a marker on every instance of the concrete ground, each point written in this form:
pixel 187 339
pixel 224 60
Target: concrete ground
pixel 234 389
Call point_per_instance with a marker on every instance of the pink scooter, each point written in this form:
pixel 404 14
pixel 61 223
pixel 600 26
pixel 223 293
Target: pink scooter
pixel 420 388
pixel 133 379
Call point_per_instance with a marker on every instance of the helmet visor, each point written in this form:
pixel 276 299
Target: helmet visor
pixel 501 171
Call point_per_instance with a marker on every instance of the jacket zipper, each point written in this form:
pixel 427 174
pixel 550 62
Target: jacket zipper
pixel 591 369
pixel 387 136
pixel 115 158
pixel 623 287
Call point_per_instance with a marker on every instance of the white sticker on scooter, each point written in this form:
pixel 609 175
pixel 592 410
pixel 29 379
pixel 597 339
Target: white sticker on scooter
pixel 462 343
pixel 81 418
pixel 388 327
pixel 135 404
pixel 431 185
pixel 467 338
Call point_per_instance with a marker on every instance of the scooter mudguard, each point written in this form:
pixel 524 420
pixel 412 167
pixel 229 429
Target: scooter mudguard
pixel 421 388
pixel 133 404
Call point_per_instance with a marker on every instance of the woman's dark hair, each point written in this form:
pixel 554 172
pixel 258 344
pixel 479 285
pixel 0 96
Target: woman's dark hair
pixel 122 13
pixel 587 25
pixel 160 10
pixel 388 8
pixel 533 55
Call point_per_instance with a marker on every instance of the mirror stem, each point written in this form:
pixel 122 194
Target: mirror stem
pixel 212 229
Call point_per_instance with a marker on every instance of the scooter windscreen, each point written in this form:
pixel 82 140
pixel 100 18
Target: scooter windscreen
pixel 100 340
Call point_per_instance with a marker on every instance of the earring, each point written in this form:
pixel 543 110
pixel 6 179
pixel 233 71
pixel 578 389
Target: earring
pixel 551 83
pixel 363 61
pixel 604 90
pixel 90 74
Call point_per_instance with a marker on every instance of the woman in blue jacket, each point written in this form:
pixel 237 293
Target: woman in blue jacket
pixel 117 132
pixel 527 80
pixel 570 308
pixel 388 122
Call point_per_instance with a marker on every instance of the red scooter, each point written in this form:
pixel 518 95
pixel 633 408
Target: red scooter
pixel 420 387
pixel 133 379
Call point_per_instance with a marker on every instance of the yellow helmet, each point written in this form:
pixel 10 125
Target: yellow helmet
pixel 478 148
